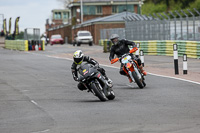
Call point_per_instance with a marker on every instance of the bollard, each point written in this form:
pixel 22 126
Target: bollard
pixel 142 57
pixel 105 46
pixel 137 52
pixel 33 45
pixel 36 47
pixel 176 58
pixel 184 64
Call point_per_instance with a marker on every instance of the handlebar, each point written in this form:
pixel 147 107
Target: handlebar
pixel 133 50
pixel 116 59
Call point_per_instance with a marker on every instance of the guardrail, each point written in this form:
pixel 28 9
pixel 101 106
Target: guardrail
pixel 22 45
pixel 163 47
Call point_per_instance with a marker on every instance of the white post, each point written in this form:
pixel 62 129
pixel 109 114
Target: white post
pixel 137 52
pixel 81 11
pixel 176 58
pixel 142 57
pixel 184 64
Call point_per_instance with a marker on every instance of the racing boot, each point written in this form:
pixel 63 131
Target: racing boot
pixel 142 70
pixel 108 81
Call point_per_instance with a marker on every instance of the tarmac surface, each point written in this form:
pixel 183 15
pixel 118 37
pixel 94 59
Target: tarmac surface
pixel 39 95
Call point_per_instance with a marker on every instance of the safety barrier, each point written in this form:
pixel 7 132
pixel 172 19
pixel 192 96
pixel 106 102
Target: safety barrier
pixel 22 45
pixel 164 47
pixel 106 45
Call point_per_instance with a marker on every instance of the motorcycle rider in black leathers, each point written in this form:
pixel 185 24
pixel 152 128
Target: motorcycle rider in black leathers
pixel 78 59
pixel 119 48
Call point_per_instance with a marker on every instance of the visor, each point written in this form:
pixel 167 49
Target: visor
pixel 78 60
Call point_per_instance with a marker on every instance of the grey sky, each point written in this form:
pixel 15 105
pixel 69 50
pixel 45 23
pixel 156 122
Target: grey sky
pixel 33 13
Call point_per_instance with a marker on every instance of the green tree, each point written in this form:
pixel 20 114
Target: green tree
pixel 20 36
pixel 186 3
pixel 158 6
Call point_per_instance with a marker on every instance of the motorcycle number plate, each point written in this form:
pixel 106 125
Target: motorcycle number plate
pixel 125 59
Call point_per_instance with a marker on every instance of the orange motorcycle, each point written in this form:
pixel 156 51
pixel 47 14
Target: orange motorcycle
pixel 131 68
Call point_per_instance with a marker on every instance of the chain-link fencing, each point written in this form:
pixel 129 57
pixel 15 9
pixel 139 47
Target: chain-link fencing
pixel 106 33
pixel 32 34
pixel 142 27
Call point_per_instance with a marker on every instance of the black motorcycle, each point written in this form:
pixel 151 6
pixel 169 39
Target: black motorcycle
pixel 95 82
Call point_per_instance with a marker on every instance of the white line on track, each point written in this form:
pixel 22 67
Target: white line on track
pixel 175 78
pixel 34 102
pixel 118 68
pixel 42 131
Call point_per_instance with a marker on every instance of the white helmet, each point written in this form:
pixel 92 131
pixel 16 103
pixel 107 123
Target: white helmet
pixel 78 57
pixel 114 36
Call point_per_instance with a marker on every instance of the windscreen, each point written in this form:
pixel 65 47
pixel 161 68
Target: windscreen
pixel 84 34
pixel 56 36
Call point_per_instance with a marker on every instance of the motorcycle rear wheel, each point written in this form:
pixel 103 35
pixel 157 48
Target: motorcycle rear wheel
pixel 137 80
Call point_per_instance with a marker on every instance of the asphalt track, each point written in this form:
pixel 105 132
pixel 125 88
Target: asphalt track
pixel 38 95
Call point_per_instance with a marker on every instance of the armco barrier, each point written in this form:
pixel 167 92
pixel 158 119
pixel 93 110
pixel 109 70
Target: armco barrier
pixel 19 45
pixel 165 47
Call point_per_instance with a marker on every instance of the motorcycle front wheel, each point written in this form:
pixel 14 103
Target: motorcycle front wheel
pixel 112 95
pixel 96 87
pixel 137 80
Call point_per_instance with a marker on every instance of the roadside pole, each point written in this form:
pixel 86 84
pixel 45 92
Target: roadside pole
pixel 185 64
pixel 176 58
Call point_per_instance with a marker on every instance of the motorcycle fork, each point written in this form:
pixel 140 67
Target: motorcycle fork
pixel 136 63
pixel 136 68
pixel 87 86
pixel 101 81
pixel 129 71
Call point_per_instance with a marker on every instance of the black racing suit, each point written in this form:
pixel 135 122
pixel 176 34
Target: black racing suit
pixel 91 61
pixel 121 48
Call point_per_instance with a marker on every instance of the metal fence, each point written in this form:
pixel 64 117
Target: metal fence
pixel 106 33
pixel 32 34
pixel 142 27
